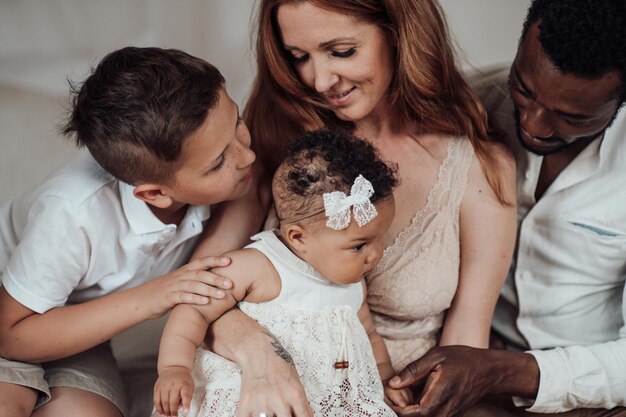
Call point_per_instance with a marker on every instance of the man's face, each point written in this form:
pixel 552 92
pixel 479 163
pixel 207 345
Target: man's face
pixel 554 110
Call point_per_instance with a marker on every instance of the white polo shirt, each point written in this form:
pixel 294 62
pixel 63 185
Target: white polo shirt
pixel 564 298
pixel 82 234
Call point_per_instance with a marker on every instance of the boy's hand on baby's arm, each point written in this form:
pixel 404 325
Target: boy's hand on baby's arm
pixel 192 283
pixel 172 390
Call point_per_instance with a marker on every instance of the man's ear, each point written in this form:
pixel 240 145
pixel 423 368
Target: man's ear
pixel 153 194
pixel 296 236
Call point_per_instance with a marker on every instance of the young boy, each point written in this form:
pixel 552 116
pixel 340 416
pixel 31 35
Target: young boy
pixel 80 253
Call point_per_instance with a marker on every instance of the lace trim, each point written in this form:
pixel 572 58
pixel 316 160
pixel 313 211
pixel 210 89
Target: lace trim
pixel 436 201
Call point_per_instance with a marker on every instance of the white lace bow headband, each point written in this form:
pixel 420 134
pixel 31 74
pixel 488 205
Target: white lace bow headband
pixel 337 206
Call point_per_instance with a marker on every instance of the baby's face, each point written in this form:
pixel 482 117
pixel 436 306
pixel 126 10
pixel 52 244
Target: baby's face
pixel 345 256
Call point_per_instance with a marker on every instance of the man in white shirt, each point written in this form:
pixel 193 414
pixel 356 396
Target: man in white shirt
pixel 562 309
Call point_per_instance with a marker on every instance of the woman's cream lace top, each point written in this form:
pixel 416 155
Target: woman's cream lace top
pixel 415 282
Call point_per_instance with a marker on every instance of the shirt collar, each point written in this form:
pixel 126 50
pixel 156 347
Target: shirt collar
pixel 139 216
pixel 142 220
pixel 582 167
pixel 613 144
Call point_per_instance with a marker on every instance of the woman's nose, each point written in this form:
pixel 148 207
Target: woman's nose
pixel 325 78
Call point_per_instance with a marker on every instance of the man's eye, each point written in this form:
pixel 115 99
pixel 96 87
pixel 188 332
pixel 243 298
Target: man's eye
pixel 519 90
pixel 575 123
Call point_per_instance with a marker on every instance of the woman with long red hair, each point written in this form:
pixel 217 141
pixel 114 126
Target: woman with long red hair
pixel 385 70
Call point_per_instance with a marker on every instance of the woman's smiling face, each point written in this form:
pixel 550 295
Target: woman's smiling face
pixel 349 63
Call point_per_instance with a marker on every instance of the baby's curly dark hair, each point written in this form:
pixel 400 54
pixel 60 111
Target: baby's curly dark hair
pixel 324 161
pixel 586 38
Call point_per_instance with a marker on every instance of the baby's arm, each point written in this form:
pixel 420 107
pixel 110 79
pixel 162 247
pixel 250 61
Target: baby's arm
pixel 397 397
pixel 187 325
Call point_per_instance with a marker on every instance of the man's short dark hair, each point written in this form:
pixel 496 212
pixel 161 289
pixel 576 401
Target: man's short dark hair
pixel 137 108
pixel 586 38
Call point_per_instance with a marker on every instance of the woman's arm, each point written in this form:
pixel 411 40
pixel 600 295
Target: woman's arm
pixel 487 239
pixel 270 381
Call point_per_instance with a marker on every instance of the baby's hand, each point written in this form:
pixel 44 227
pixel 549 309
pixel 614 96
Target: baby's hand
pixel 193 283
pixel 398 398
pixel 172 390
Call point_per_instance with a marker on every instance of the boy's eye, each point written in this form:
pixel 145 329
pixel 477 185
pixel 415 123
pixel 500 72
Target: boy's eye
pixel 220 164
pixel 344 54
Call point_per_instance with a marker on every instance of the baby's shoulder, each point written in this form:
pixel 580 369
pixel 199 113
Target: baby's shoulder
pixel 249 270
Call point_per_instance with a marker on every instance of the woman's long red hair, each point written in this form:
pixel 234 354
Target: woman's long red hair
pixel 427 89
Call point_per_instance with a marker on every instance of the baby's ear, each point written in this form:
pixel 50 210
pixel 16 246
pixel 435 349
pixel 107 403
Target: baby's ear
pixel 153 194
pixel 296 237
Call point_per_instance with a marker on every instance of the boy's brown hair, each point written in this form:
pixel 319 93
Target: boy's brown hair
pixel 138 107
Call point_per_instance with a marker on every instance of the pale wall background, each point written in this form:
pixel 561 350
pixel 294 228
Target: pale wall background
pixel 42 43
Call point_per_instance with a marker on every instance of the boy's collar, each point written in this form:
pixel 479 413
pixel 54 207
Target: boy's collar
pixel 139 216
pixel 142 220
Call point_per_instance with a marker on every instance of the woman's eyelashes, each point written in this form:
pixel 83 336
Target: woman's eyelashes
pixel 297 59
pixel 344 54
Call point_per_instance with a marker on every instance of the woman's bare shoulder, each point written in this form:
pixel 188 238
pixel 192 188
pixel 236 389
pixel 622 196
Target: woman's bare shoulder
pixel 503 169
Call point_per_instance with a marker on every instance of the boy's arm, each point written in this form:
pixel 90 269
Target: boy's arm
pixel 60 332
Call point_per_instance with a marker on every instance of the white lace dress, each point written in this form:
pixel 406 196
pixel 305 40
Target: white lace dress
pixel 316 321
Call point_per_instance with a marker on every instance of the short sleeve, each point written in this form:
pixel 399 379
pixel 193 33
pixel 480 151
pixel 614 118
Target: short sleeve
pixel 51 258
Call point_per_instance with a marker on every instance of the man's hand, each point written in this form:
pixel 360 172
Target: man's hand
pixel 192 283
pixel 456 377
pixel 270 384
pixel 172 390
